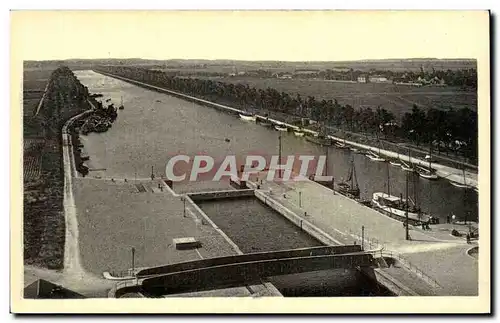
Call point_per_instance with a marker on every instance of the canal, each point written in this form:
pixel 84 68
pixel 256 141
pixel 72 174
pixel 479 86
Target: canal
pixel 153 127
pixel 255 227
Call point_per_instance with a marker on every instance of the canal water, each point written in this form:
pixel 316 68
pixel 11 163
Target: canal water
pixel 153 127
pixel 255 227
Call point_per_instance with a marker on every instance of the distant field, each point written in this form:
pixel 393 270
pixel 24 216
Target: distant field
pixel 395 98
pixel 34 83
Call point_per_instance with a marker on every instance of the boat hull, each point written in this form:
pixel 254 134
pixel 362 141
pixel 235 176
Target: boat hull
pixel 377 159
pixel 319 141
pixel 299 134
pixel 424 173
pixel 248 118
pixel 459 185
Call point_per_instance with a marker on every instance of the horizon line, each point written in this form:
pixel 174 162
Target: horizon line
pixel 245 60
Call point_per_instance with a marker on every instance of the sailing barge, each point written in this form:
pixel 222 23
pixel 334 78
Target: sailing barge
pixel 350 187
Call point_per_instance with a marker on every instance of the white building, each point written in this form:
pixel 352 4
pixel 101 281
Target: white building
pixel 378 79
pixel 361 79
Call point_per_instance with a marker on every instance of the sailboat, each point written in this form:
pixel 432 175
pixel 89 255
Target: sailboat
pixel 354 150
pixel 121 107
pixel 350 186
pixel 281 128
pixel 320 139
pixel 373 156
pixel 407 166
pixel 299 133
pixel 427 173
pixel 248 117
pixel 397 207
pixel 266 123
pixel 460 185
pixel 395 162
pixel 341 145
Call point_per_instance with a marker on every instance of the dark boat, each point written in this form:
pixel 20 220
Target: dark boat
pixel 350 186
pixel 121 107
pixel 266 123
pixel 319 139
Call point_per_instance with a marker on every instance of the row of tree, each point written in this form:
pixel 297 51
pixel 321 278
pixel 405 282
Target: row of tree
pixel 436 125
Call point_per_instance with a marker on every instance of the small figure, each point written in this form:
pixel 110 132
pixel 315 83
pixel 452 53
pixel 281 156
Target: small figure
pixel 284 195
pixel 125 180
pixel 448 218
pixel 468 238
pixel 453 218
pixel 113 180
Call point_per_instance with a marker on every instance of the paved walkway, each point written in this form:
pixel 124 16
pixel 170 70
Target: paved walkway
pixel 344 218
pixel 114 216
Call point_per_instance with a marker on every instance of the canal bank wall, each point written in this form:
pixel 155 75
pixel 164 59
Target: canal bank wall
pixel 443 171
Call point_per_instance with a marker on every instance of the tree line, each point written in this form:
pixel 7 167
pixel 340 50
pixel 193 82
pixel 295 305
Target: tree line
pixel 444 128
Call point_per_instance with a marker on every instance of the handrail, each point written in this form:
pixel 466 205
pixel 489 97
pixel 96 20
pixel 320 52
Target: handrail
pixel 406 263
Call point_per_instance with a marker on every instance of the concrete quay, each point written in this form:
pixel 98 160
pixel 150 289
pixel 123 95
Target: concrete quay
pixel 115 216
pixel 453 174
pixel 431 263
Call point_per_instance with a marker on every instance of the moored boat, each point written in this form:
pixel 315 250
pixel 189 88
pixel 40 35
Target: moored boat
pixel 407 166
pixel 426 173
pixel 248 117
pixel 374 157
pixel 350 187
pixel 299 133
pixel 341 145
pixel 281 128
pixel 319 140
pixel 459 185
pixel 395 207
pixel 395 162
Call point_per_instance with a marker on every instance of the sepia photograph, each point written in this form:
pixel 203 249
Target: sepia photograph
pixel 250 161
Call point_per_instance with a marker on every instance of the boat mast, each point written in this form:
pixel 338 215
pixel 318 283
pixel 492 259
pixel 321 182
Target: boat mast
pixel 279 155
pixel 415 179
pixel 354 179
pixel 388 181
pixel 406 220
pixel 430 157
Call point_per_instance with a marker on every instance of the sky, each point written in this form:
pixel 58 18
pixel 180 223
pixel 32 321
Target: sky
pixel 248 35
